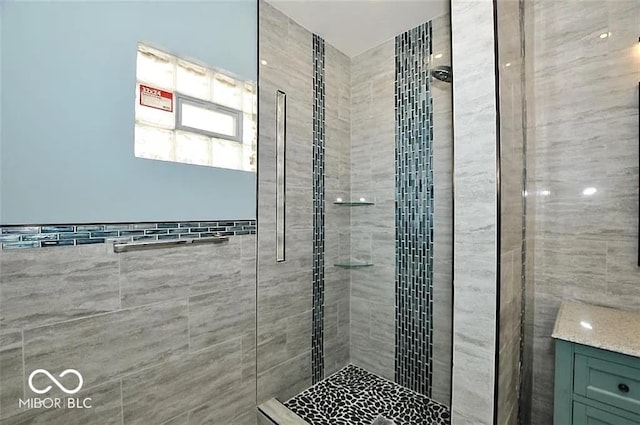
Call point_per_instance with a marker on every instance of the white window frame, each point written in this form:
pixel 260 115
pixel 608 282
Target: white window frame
pixel 237 114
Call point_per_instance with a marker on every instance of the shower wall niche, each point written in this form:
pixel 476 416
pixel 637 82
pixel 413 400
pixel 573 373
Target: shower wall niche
pixel 367 278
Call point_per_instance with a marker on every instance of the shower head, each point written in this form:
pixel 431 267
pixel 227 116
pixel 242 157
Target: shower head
pixel 442 73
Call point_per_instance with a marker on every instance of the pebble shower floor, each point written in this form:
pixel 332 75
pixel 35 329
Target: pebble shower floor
pixel 353 396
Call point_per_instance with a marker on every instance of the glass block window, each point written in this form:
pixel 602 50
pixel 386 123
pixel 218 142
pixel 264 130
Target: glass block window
pixel 189 113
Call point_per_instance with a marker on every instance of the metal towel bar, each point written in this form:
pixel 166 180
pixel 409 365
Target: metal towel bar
pixel 169 243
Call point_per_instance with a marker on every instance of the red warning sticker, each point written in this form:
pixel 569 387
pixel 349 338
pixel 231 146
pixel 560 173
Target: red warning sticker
pixel 156 98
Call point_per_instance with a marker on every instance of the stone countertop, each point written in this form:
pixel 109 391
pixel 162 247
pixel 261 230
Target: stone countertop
pixel 600 327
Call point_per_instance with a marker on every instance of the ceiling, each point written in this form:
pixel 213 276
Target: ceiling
pixel 353 26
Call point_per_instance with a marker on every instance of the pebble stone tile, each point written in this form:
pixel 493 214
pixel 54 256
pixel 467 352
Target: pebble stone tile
pixel 353 396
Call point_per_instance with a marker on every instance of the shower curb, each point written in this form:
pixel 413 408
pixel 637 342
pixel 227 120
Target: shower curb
pixel 272 412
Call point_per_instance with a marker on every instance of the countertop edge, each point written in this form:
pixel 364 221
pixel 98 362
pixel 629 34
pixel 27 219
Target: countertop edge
pixel 613 346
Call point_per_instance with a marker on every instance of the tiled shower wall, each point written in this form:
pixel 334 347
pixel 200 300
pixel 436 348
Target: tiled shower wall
pixel 373 227
pixel 285 290
pixel 162 336
pixel 414 210
pixel 586 135
pixel 337 291
pixel 373 326
pixel 359 310
pixel 319 205
pixel 441 93
pixel 476 225
pixel 512 107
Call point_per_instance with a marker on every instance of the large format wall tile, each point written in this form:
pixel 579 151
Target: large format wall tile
pixel 284 288
pixel 373 227
pixel 232 405
pixel 157 275
pixel 443 215
pixel 337 218
pixel 373 128
pixel 11 373
pixel 286 379
pixel 586 136
pixel 234 315
pixel 476 232
pixel 512 168
pixel 162 392
pixel 106 408
pixel 107 346
pixel 66 303
pixel 42 286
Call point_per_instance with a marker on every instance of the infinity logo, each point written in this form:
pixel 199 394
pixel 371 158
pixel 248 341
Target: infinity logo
pixel 55 381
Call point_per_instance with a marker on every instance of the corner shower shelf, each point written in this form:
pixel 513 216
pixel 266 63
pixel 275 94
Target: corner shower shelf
pixel 353 203
pixel 353 264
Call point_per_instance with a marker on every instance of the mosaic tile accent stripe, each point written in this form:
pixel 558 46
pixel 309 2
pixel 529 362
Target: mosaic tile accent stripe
pixel 317 342
pixel 14 237
pixel 414 210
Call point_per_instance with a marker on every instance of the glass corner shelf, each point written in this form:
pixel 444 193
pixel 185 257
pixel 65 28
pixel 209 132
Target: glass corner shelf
pixel 353 203
pixel 353 264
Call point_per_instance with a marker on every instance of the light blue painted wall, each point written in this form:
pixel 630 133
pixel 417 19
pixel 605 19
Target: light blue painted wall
pixel 67 102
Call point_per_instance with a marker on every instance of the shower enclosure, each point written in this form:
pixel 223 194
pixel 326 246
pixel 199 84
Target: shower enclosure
pixel 355 213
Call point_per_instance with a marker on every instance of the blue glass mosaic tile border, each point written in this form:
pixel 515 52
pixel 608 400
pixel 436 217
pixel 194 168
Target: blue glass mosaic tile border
pixel 317 338
pixel 414 210
pixel 15 237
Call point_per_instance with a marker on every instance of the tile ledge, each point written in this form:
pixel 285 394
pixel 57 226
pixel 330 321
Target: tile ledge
pixel 278 414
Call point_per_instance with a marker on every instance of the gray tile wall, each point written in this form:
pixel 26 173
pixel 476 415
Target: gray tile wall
pixel 163 336
pixel 475 228
pixel 443 214
pixel 528 296
pixel 285 293
pixel 373 324
pixel 511 68
pixel 337 312
pixel 586 135
pixel 285 289
pixel 373 227
pixel 359 312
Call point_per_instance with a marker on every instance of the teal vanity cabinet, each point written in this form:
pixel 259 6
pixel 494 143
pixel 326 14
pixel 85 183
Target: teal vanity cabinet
pixel 597 368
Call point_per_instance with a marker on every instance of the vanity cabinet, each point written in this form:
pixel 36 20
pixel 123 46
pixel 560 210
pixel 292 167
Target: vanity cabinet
pixel 595 387
pixel 596 383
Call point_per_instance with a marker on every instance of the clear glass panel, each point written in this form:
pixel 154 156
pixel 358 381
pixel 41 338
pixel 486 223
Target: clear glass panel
pixel 193 148
pixel 281 141
pixel 208 120
pixel 193 80
pixel 227 91
pixel 154 143
pixel 155 67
